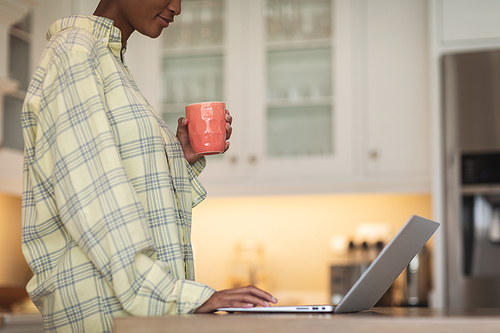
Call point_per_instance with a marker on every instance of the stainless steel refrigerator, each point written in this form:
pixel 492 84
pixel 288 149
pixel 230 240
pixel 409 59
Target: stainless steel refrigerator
pixel 471 117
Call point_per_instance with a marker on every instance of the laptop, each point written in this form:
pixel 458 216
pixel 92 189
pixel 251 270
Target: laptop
pixel 376 280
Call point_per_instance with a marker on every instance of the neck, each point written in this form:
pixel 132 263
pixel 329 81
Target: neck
pixel 109 9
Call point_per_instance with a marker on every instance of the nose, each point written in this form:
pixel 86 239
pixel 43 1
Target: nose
pixel 175 7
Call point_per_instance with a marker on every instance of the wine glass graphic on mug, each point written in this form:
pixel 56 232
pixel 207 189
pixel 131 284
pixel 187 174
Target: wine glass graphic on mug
pixel 207 127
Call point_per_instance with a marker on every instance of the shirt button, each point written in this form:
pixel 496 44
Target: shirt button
pixel 116 35
pixel 104 40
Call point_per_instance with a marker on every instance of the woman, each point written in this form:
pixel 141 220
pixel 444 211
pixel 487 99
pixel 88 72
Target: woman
pixel 108 188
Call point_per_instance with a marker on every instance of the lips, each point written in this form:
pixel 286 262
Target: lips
pixel 165 22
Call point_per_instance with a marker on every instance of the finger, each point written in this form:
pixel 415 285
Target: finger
pixel 237 304
pixel 253 291
pixel 229 131
pixel 226 147
pixel 228 118
pixel 242 299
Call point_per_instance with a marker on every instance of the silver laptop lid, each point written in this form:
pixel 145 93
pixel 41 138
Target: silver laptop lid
pixel 384 270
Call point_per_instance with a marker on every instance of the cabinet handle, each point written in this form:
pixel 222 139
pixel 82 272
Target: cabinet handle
pixel 252 159
pixel 233 160
pixel 373 154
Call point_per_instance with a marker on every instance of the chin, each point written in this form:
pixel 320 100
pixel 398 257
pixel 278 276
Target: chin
pixel 156 35
pixel 152 33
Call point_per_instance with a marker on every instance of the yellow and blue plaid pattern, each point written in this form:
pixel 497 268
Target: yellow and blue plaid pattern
pixel 108 194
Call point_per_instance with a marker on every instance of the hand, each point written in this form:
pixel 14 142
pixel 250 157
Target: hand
pixel 183 136
pixel 245 297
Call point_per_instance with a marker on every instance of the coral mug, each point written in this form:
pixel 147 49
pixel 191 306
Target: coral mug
pixel 207 127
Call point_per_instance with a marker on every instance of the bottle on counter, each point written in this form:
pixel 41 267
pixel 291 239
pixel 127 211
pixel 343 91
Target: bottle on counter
pixel 352 253
pixel 416 280
pixel 364 257
pixel 375 249
pixel 247 266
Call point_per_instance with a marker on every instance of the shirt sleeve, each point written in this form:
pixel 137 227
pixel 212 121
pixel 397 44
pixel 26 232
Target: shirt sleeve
pixel 97 203
pixel 199 166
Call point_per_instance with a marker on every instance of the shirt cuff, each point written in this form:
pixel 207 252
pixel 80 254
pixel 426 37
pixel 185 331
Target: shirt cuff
pixel 199 165
pixel 192 295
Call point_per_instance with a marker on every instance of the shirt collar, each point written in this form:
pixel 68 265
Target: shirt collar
pixel 101 27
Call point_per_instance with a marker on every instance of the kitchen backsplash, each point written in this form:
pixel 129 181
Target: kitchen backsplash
pixel 294 235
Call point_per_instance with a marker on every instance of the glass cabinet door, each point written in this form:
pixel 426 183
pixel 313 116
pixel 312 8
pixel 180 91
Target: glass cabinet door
pixel 304 49
pixel 299 102
pixel 192 58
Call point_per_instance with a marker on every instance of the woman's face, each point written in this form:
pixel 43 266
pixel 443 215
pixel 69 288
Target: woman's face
pixel 150 17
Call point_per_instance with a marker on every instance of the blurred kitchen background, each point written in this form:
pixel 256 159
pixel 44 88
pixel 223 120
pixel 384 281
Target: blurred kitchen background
pixel 349 117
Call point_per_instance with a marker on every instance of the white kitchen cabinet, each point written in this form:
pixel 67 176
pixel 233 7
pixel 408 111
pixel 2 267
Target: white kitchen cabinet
pixel 298 100
pixel 291 123
pixel 397 96
pixel 462 20
pixel 318 107
pixel 465 25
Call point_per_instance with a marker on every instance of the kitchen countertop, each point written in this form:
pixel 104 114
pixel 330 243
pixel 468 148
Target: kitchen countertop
pixel 21 322
pixel 408 320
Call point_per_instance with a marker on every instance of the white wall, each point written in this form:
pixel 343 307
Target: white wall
pixel 85 7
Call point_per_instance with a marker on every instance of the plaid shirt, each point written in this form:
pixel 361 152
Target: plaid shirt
pixel 107 193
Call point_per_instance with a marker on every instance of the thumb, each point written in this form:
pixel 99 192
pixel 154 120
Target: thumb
pixel 182 129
